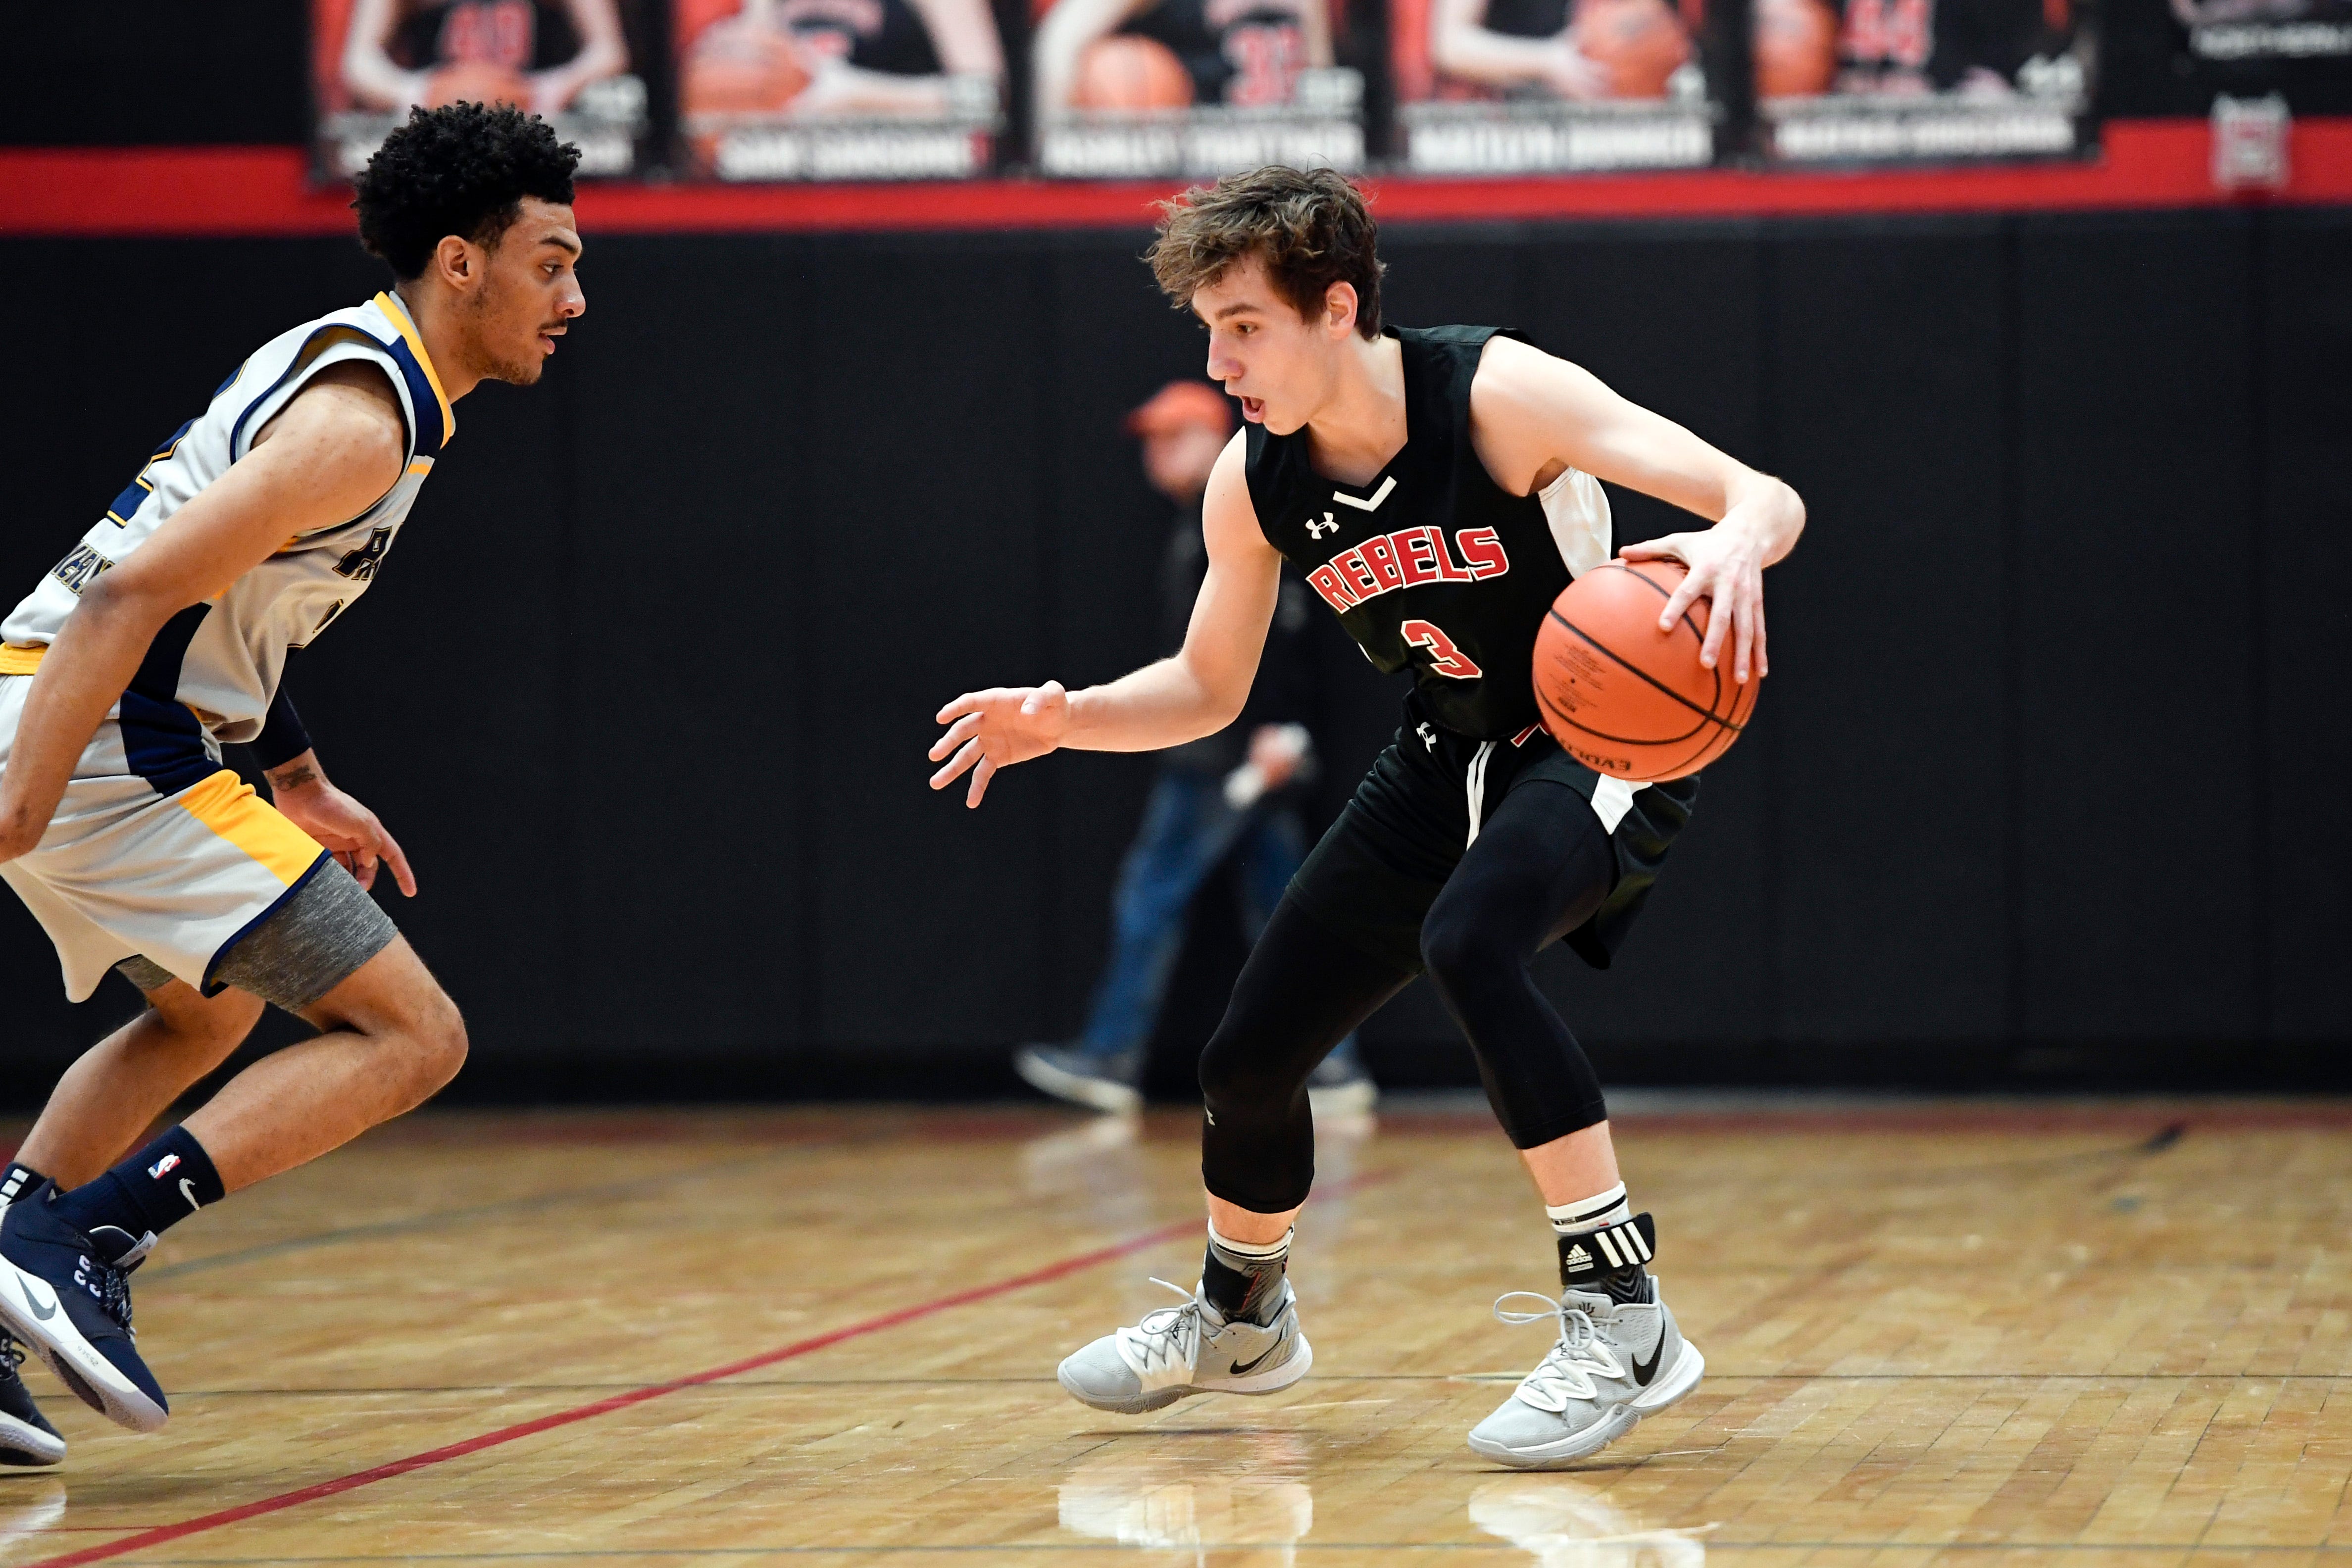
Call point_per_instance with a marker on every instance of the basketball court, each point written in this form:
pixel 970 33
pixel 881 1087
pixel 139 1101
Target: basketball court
pixel 1975 1332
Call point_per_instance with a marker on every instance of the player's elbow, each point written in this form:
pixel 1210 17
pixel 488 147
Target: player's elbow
pixel 1793 507
pixel 126 602
pixel 1223 708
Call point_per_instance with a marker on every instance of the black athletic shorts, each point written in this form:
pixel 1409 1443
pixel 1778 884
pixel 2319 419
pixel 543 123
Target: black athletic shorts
pixel 1383 865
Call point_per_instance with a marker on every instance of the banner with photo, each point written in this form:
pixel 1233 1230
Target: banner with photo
pixel 1511 86
pixel 1852 81
pixel 574 61
pixel 2231 31
pixel 1136 88
pixel 838 89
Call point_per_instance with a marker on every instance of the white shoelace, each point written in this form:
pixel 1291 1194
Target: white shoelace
pixel 1566 1372
pixel 1167 1335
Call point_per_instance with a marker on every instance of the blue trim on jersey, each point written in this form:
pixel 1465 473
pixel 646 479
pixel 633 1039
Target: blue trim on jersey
pixel 134 495
pixel 213 988
pixel 161 738
pixel 431 436
pixel 298 365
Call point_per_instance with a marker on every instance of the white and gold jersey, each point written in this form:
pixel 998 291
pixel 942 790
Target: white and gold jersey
pixel 218 665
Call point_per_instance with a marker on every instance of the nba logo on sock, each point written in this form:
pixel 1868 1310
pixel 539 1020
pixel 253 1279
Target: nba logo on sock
pixel 162 1167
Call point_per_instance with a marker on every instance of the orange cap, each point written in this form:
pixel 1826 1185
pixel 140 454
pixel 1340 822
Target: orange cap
pixel 1182 404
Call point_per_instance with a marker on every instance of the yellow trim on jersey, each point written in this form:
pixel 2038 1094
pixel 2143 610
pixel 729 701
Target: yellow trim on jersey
pixel 398 312
pixel 21 658
pixel 227 805
pixel 422 466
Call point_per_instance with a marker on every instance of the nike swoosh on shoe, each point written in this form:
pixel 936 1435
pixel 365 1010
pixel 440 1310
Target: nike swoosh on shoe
pixel 1644 1371
pixel 1241 1371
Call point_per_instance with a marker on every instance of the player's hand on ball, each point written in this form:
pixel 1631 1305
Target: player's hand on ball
pixel 996 728
pixel 1727 568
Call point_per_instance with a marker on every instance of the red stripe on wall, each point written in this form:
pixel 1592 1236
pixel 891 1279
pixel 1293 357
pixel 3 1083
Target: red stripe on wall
pixel 268 191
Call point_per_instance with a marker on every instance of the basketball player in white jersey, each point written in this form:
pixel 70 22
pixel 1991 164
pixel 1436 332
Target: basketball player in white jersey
pixel 1437 486
pixel 161 636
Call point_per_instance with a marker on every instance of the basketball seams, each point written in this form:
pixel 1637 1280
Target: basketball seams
pixel 1662 591
pixel 1717 728
pixel 1646 678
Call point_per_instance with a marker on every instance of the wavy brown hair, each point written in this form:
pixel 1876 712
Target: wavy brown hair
pixel 1310 227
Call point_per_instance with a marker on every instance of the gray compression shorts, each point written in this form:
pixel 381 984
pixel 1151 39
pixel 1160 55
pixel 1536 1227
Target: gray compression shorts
pixel 312 942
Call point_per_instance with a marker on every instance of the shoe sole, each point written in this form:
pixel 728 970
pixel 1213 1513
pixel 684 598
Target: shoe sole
pixel 26 1446
pixel 1688 1368
pixel 1354 1099
pixel 77 1364
pixel 1096 1094
pixel 1272 1381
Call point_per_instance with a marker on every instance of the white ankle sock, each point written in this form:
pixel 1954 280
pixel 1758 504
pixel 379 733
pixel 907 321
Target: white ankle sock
pixel 1589 1214
pixel 1255 1251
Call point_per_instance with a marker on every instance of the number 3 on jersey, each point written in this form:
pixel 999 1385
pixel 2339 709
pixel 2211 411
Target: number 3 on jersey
pixel 1444 658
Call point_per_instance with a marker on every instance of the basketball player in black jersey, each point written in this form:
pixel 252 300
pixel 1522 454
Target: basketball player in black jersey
pixel 1438 489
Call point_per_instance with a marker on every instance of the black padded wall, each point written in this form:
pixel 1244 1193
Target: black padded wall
pixel 2042 790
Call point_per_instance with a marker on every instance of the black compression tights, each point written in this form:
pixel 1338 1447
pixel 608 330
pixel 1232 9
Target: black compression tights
pixel 1536 873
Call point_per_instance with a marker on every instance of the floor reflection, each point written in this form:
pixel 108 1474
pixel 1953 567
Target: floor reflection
pixel 1244 1502
pixel 25 1514
pixel 1094 1170
pixel 1568 1523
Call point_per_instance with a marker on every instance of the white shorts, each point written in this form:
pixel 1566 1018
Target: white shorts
pixel 157 851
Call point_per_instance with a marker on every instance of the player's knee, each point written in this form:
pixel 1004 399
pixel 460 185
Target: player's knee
pixel 1454 948
pixel 1237 1070
pixel 434 1043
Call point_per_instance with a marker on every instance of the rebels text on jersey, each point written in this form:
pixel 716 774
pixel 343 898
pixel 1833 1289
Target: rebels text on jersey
pixel 1433 566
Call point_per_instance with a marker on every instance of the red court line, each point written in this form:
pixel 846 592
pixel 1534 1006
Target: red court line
pixel 163 1534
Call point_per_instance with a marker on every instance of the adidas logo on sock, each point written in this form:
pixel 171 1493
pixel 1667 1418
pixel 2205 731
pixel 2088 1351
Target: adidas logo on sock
pixel 1577 1256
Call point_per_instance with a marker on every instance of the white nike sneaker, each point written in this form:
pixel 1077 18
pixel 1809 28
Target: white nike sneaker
pixel 1614 1362
pixel 1189 1349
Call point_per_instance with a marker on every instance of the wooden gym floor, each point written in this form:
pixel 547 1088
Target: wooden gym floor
pixel 1996 1336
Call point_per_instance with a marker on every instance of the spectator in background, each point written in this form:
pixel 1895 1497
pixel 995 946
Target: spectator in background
pixel 1228 796
pixel 534 54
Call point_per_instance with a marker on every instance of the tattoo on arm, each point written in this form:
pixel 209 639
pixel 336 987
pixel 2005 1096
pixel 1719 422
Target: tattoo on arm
pixel 292 777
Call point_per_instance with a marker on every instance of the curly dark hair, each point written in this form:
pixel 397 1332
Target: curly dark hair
pixel 1310 225
pixel 463 169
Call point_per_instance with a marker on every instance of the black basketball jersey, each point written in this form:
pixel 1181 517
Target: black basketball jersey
pixel 1433 565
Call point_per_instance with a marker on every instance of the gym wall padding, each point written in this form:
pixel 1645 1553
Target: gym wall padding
pixel 2044 787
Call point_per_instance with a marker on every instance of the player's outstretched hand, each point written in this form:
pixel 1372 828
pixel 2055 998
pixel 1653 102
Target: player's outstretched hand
pixel 996 728
pixel 1727 568
pixel 343 827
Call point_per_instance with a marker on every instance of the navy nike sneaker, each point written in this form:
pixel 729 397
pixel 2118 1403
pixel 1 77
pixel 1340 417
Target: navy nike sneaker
pixel 68 1296
pixel 26 1439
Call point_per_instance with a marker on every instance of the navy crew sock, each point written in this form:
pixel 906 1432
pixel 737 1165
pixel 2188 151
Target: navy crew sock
pixel 154 1189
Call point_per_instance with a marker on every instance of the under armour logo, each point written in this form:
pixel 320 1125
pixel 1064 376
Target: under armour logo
pixel 1428 736
pixel 1315 531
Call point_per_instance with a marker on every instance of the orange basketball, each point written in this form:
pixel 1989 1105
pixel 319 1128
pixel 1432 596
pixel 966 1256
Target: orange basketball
pixel 739 70
pixel 1622 697
pixel 1796 47
pixel 473 81
pixel 1640 43
pixel 1125 72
